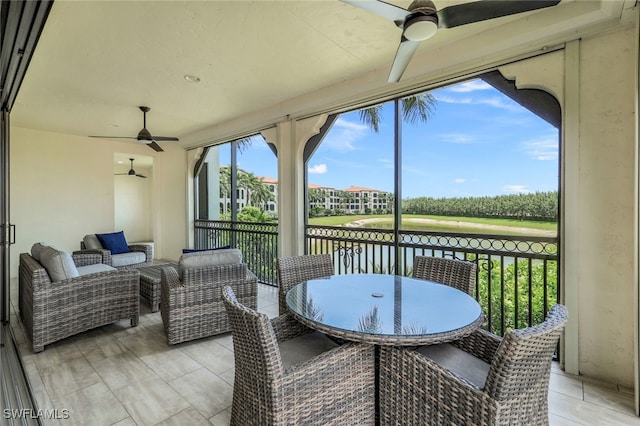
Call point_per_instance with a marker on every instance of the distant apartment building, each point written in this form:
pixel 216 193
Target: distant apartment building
pixel 351 200
pixel 272 184
pixel 367 200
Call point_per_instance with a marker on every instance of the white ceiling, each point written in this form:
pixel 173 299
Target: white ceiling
pixel 97 61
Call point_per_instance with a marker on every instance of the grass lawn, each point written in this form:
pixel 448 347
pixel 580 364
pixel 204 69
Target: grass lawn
pixel 445 223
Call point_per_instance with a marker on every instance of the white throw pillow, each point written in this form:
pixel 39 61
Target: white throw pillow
pixel 59 264
pixel 201 259
pixel 91 242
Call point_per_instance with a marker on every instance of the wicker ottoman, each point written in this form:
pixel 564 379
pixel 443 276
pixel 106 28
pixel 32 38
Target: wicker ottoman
pixel 150 284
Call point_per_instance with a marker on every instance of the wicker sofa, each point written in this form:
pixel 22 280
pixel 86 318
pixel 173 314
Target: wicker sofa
pixel 135 255
pixel 190 295
pixel 55 309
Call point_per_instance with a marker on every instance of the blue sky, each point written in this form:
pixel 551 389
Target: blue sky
pixel 477 142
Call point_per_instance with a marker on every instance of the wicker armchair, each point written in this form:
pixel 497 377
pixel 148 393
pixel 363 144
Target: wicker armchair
pixel 481 379
pixel 191 306
pixel 336 386
pixel 296 269
pixel 51 311
pixel 460 274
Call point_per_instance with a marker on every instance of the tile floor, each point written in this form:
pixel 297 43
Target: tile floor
pixel 119 375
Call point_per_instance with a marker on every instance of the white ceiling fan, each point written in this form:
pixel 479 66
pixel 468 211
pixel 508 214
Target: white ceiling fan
pixel 422 19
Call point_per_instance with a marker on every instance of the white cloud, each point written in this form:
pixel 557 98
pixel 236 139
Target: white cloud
pixel 386 163
pixel 456 138
pixel 542 149
pixel 345 124
pixel 519 189
pixel 494 101
pixel 414 170
pixel 460 180
pixel 318 169
pixel 470 86
pixel 452 99
pixel 344 135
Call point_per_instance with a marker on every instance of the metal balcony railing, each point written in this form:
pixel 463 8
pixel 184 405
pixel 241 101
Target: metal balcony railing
pixel 257 241
pixel 517 281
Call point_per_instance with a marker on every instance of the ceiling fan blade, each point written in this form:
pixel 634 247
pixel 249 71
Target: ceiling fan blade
pixel 141 176
pixel 153 145
pixel 380 8
pixel 113 137
pixel 483 10
pixel 165 139
pixel 405 52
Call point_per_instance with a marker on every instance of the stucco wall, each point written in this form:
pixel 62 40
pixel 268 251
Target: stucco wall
pixel 62 187
pixel 598 194
pixel 132 203
pixel 605 210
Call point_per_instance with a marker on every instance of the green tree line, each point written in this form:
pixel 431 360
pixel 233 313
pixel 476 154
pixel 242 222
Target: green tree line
pixel 541 206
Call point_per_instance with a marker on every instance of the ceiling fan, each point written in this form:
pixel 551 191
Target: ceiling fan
pixel 421 20
pixel 131 172
pixel 144 135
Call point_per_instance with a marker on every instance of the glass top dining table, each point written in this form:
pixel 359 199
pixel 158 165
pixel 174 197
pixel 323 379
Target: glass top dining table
pixel 385 309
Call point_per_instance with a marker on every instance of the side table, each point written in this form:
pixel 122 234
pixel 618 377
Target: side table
pixel 150 283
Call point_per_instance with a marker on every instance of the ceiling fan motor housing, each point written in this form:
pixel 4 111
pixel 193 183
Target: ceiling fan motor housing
pixel 425 7
pixel 144 135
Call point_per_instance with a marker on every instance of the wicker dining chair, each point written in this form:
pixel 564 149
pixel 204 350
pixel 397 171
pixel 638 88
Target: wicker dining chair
pixel 460 274
pixel 481 379
pixel 328 384
pixel 293 270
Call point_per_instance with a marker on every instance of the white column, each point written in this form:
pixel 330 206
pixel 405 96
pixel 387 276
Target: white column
pixel 636 231
pixel 192 158
pixel 570 206
pixel 290 138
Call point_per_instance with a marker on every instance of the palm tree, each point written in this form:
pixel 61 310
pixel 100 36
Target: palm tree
pixel 414 108
pixel 261 195
pixel 316 196
pixel 225 186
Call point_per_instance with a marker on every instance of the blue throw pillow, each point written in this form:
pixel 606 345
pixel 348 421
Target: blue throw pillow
pixel 114 242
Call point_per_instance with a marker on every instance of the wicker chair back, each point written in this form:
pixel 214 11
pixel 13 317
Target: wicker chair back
pixel 456 273
pixel 296 269
pixel 521 366
pixel 258 366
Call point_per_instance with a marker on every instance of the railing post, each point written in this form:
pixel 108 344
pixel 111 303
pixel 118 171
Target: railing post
pixel 397 189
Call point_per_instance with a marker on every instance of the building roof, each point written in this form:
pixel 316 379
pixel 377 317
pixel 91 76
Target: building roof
pixel 361 189
pixel 268 180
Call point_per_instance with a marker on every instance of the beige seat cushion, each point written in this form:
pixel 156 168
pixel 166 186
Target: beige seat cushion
pixel 36 249
pixel 458 361
pixel 302 348
pixel 126 259
pixel 202 259
pixel 92 242
pixel 94 269
pixel 59 264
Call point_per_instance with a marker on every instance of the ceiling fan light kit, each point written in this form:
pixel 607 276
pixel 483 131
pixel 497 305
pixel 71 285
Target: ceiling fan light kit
pixel 420 27
pixel 421 19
